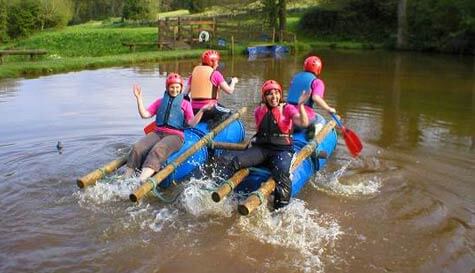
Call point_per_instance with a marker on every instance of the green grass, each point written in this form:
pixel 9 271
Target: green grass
pixel 87 41
pixel 175 13
pixel 99 44
pixel 49 66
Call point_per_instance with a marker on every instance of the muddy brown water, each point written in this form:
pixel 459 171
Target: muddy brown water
pixel 406 205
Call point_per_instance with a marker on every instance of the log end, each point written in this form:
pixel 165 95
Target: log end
pixel 243 210
pixel 80 183
pixel 215 196
pixel 133 197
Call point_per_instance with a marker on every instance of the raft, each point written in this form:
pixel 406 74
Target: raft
pixel 310 157
pixel 308 168
pixel 181 164
pixel 233 133
pixel 267 49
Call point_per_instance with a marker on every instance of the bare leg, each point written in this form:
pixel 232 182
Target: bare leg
pixel 129 172
pixel 146 173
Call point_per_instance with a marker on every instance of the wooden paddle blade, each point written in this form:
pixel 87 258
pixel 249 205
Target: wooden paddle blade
pixel 150 127
pixel 353 142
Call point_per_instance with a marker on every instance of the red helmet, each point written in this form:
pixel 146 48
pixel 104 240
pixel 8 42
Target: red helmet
pixel 269 85
pixel 174 78
pixel 210 57
pixel 313 64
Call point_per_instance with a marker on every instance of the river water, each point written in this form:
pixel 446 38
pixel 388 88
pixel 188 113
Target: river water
pixel 406 205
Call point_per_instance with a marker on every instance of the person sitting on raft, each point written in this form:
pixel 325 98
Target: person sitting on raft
pixel 171 113
pixel 204 86
pixel 272 147
pixel 308 80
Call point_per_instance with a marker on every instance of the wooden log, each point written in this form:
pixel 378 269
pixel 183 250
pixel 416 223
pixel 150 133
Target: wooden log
pixel 255 199
pixel 230 146
pixel 92 177
pixel 226 188
pixel 165 172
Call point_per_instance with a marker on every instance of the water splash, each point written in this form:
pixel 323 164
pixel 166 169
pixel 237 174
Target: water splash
pixel 109 189
pixel 353 185
pixel 196 199
pixel 306 231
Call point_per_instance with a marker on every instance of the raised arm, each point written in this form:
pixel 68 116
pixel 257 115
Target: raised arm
pixel 229 88
pixel 138 96
pixel 321 102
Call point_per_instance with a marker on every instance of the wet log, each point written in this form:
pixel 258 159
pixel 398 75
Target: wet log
pixel 154 181
pixel 257 197
pixel 92 177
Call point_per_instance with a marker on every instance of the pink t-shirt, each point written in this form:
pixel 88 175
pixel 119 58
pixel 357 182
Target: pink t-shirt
pixel 318 88
pixel 216 79
pixel 185 107
pixel 289 111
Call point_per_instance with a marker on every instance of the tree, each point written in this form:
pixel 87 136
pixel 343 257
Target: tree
pixel 282 17
pixel 276 11
pixel 140 9
pixel 23 18
pixel 3 21
pixel 54 13
pixel 402 24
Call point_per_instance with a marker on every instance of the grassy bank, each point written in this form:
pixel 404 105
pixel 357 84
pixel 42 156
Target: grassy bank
pixel 99 44
pixel 51 66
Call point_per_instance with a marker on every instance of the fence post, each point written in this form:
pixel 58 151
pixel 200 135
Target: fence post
pixel 232 45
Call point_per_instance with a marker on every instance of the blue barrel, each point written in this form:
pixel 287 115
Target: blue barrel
pixel 233 133
pixel 304 172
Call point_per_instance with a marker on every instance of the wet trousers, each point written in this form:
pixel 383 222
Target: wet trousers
pixel 152 150
pixel 278 163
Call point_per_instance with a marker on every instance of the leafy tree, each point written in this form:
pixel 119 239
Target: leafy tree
pixel 140 9
pixel 3 21
pixel 85 10
pixel 54 13
pixel 23 18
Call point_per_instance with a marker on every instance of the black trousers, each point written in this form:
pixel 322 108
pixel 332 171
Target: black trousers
pixel 278 162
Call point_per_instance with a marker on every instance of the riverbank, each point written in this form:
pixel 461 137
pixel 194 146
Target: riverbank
pixel 99 44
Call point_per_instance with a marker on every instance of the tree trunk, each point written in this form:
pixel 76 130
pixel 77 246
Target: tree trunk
pixel 282 18
pixel 402 24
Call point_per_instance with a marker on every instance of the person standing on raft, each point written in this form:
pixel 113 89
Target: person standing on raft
pixel 172 114
pixel 204 87
pixel 309 80
pixel 272 147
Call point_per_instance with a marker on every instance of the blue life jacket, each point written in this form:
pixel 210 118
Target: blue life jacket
pixel 302 81
pixel 170 114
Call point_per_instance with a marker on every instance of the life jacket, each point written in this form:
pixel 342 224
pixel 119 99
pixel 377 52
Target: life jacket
pixel 170 113
pixel 201 85
pixel 302 81
pixel 272 130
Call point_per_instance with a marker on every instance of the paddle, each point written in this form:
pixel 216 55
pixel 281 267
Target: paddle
pixel 351 139
pixel 150 127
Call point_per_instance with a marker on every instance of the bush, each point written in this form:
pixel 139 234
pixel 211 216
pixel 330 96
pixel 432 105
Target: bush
pixel 3 21
pixel 23 18
pixel 442 25
pixel 139 10
pixel 371 20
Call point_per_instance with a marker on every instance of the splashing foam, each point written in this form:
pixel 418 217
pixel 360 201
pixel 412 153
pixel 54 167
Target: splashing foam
pixel 354 185
pixel 196 199
pixel 308 232
pixel 111 188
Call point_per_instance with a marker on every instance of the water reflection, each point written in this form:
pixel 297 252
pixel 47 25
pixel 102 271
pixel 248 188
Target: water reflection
pixel 414 112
